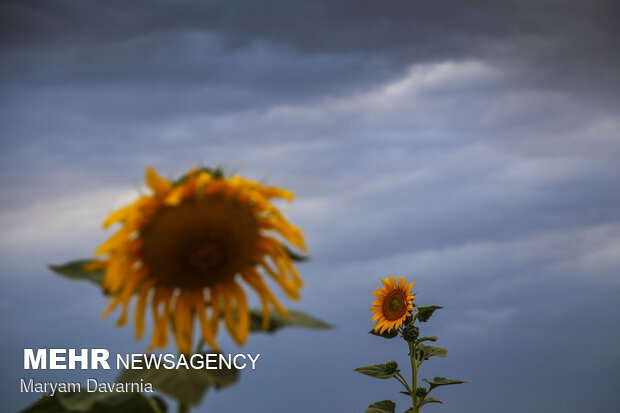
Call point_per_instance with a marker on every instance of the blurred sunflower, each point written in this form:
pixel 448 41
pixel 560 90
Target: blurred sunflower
pixel 393 304
pixel 186 248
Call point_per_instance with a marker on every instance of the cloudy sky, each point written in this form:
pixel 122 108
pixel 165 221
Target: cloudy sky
pixel 471 146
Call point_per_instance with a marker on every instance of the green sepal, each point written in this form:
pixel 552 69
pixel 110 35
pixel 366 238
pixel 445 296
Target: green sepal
pixel 384 406
pixel 386 334
pixel 217 173
pixel 425 312
pixel 97 402
pixel 408 319
pixel 186 385
pixel 295 256
pixel 75 270
pixel 423 352
pixel 441 381
pixel 379 371
pixel 277 322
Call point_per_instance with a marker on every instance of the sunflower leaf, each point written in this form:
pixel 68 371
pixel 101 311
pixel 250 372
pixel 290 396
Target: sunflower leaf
pixel 45 404
pixel 384 406
pixel 386 334
pixel 429 399
pixel 100 402
pixel 277 322
pixel 97 402
pixel 425 312
pixel 76 270
pixel 186 385
pixel 379 371
pixel 420 340
pixel 423 352
pixel 441 381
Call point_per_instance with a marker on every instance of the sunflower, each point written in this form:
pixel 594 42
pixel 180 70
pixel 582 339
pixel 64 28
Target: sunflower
pixel 393 304
pixel 186 249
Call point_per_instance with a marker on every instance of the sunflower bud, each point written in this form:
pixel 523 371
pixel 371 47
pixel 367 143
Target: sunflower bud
pixel 390 367
pixel 411 333
pixel 420 392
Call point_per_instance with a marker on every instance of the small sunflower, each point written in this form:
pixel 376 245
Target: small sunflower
pixel 186 249
pixel 393 304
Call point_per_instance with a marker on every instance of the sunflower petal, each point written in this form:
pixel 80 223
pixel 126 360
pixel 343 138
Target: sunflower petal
pixel 159 185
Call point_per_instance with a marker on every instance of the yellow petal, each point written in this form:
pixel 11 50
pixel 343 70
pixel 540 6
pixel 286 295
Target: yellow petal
pixel 159 185
pixel 201 311
pixel 141 307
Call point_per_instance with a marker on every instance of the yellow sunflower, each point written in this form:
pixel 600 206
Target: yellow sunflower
pixel 188 247
pixel 393 304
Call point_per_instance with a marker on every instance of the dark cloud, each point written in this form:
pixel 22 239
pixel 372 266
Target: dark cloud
pixel 73 42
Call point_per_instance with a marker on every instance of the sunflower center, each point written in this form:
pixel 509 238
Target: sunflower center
pixel 207 257
pixel 395 305
pixel 200 242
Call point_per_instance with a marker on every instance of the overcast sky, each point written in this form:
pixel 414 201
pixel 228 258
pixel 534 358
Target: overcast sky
pixel 471 146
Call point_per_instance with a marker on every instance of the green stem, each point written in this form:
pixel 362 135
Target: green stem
pixel 402 381
pixel 414 377
pixel 199 346
pixel 183 408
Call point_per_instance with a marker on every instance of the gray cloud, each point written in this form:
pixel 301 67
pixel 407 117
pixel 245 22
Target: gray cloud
pixel 568 43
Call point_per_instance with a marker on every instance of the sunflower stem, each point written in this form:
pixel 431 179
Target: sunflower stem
pixel 183 408
pixel 402 381
pixel 414 377
pixel 199 346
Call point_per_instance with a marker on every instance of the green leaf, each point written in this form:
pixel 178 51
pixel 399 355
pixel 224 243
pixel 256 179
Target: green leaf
pixel 100 402
pixel 379 371
pixel 97 402
pixel 187 385
pixel 425 312
pixel 46 404
pixel 420 340
pixel 409 410
pixel 76 271
pixel 423 352
pixel 441 381
pixel 406 393
pixel 277 322
pixel 429 399
pixel 385 334
pixel 384 406
pixel 159 403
